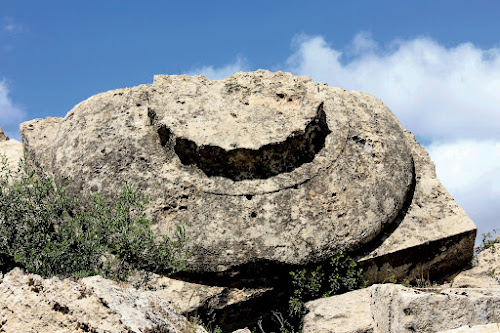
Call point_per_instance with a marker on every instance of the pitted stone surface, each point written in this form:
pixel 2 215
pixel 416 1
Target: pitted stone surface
pixel 31 304
pixel 392 308
pixel 245 111
pixel 435 234
pixel 259 166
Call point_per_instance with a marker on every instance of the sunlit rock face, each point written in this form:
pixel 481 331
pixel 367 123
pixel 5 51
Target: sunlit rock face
pixel 30 303
pixel 11 152
pixel 3 137
pixel 260 167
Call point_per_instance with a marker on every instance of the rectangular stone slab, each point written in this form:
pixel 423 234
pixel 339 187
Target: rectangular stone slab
pixel 392 308
pixel 435 235
pixel 399 309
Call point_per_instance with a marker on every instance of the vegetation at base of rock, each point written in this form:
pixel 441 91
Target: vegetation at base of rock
pixel 48 232
pixel 489 240
pixel 340 275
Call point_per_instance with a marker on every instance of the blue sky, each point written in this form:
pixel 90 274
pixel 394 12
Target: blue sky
pixel 436 64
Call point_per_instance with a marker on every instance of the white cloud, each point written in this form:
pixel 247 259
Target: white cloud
pixel 435 91
pixel 10 26
pixel 362 43
pixel 10 114
pixel 221 72
pixel 470 170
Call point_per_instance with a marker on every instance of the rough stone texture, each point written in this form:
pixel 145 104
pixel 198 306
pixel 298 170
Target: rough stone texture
pixel 434 234
pixel 484 274
pixel 243 330
pixel 346 313
pixel 3 137
pixel 399 309
pixel 388 308
pixel 41 149
pixel 260 166
pixel 13 151
pixel 489 328
pixel 187 297
pixel 31 304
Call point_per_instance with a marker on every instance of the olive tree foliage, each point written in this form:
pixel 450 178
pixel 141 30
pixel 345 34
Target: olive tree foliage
pixel 47 231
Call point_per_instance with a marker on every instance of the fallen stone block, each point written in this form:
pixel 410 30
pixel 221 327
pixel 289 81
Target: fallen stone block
pixel 261 167
pixel 399 309
pixel 306 170
pixel 390 308
pixel 346 313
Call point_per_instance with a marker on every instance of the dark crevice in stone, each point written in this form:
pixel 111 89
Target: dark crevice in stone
pixel 245 314
pixel 261 273
pixel 258 274
pixel 60 308
pixel 240 164
pixel 164 133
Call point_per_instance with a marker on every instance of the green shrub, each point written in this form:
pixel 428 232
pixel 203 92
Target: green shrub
pixel 340 275
pixel 489 240
pixel 48 232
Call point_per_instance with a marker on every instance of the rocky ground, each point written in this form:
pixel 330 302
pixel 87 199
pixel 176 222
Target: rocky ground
pixel 468 302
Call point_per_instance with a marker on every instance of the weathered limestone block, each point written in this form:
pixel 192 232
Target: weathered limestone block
pixel 260 166
pixel 41 149
pixel 432 235
pixel 399 309
pixel 390 308
pixel 346 313
pixel 484 274
pixel 31 304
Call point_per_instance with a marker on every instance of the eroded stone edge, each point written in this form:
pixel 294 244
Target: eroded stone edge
pixel 423 243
